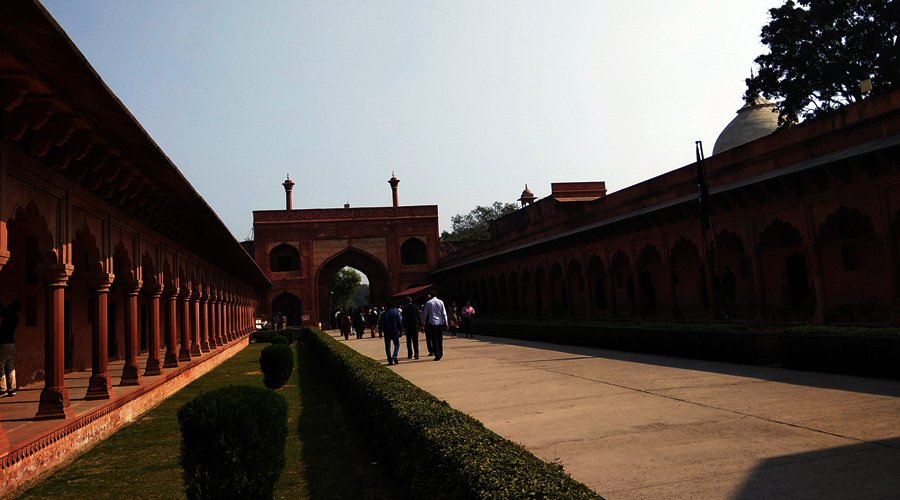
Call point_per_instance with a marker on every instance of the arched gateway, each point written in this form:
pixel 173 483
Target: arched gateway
pixel 300 250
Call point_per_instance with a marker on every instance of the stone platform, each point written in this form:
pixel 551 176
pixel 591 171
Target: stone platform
pixel 37 447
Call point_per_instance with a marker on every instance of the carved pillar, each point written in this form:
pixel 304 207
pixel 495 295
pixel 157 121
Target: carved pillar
pixel 184 352
pixel 214 319
pixel 195 324
pixel 99 385
pixel 205 345
pixel 226 323
pixel 818 280
pixel 889 243
pixel 674 313
pixel 171 359
pixel 131 374
pixel 54 395
pixel 154 366
pixel 758 284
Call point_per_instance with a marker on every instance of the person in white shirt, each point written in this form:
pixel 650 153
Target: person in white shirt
pixel 435 324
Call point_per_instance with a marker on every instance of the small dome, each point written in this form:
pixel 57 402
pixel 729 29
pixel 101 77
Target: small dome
pixel 757 118
pixel 527 193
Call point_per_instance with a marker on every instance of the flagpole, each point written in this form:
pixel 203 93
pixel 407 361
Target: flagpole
pixel 706 222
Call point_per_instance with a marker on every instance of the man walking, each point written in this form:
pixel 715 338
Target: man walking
pixel 411 323
pixel 435 324
pixel 389 326
pixel 9 320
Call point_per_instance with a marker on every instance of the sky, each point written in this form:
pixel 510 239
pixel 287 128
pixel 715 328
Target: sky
pixel 464 101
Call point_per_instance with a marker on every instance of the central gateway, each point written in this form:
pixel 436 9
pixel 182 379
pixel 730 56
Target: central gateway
pixel 300 250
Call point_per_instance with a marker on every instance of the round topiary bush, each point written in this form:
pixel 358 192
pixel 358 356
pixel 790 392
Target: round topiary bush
pixel 276 362
pixel 232 442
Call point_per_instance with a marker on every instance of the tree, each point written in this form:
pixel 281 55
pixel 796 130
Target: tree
pixel 343 285
pixel 821 50
pixel 475 225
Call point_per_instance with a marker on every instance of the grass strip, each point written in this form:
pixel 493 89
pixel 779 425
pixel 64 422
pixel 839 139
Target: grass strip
pixel 141 460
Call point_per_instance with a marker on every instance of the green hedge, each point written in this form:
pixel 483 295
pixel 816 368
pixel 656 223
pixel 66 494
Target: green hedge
pixel 434 450
pixel 871 352
pixel 233 442
pixel 276 362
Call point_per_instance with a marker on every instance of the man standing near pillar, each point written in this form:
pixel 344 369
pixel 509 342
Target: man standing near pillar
pixel 435 324
pixel 9 320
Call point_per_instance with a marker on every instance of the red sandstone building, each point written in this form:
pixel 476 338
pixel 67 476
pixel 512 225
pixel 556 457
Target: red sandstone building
pixel 300 251
pixel 116 259
pixel 805 229
pixel 119 262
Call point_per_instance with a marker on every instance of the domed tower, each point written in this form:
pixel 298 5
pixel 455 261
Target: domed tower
pixel 527 197
pixel 757 118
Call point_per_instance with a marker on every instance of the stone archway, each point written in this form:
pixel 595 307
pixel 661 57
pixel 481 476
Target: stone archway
pixel 373 268
pixel 289 305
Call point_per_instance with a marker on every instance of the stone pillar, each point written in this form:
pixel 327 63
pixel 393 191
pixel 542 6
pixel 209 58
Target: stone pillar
pixel 99 385
pixel 54 396
pixel 889 243
pixel 154 366
pixel 195 324
pixel 184 352
pixel 214 319
pixel 205 345
pixel 818 281
pixel 131 374
pixel 758 285
pixel 171 358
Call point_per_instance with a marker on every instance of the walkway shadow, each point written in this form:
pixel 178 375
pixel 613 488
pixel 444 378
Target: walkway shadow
pixel 335 462
pixel 861 471
pixel 851 383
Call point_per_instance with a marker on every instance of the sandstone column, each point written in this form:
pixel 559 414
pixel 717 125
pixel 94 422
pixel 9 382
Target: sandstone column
pixel 203 312
pixel 99 385
pixel 154 366
pixel 131 374
pixel 184 352
pixel 54 396
pixel 195 324
pixel 171 359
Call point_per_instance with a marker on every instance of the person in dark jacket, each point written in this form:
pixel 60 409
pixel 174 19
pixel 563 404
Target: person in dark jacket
pixel 389 327
pixel 412 320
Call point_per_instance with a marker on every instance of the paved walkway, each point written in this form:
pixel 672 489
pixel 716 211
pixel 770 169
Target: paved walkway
pixel 640 426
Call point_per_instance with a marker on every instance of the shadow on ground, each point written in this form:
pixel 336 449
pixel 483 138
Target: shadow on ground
pixel 860 471
pixel 335 462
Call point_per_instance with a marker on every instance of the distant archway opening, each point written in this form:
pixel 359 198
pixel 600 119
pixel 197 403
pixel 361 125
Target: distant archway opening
pixel 289 306
pixel 363 262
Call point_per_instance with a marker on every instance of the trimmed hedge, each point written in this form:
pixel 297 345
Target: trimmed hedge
pixel 871 352
pixel 285 336
pixel 276 362
pixel 233 442
pixel 434 450
pixel 717 342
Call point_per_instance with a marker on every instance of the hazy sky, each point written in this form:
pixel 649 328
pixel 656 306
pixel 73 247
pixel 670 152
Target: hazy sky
pixel 466 101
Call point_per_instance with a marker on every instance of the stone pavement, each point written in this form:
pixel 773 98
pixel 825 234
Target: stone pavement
pixel 641 426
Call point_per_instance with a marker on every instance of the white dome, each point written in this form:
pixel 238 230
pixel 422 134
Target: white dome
pixel 758 118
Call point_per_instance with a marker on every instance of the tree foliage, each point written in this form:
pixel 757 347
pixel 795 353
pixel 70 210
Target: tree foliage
pixel 820 51
pixel 475 225
pixel 343 286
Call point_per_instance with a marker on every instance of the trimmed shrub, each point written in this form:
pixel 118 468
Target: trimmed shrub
pixel 433 450
pixel 280 339
pixel 232 442
pixel 276 362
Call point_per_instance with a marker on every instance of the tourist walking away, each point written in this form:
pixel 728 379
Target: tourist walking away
pixel 428 348
pixel 372 320
pixel 453 320
pixel 359 323
pixel 389 326
pixel 346 325
pixel 411 323
pixel 435 324
pixel 468 314
pixel 9 320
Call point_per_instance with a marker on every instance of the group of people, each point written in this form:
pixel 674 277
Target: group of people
pixel 409 320
pixel 9 320
pixel 356 320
